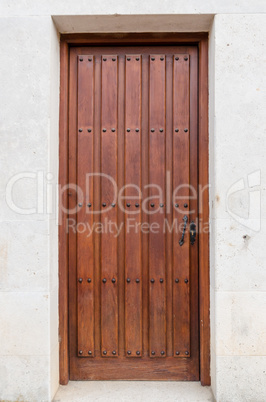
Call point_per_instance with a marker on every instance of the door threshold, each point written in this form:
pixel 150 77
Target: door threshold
pixel 116 391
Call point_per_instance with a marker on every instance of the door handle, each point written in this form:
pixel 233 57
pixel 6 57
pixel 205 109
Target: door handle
pixel 181 241
pixel 192 233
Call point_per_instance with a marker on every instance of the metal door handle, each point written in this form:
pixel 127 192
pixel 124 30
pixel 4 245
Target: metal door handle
pixel 192 233
pixel 181 241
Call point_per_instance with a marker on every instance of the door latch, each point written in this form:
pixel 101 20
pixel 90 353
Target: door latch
pixel 181 241
pixel 192 233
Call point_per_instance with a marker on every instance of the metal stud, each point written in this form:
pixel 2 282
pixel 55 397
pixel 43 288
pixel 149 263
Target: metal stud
pixel 176 58
pixel 186 280
pixel 161 130
pixel 113 204
pixel 161 205
pixel 161 280
pixel 104 130
pixel 176 280
pixel 128 280
pixel 162 352
pixel 80 352
pixel 80 130
pixel 186 352
pixel 104 59
pixel 104 280
pixel 89 130
pixel 185 58
pixel 89 280
pixel 152 352
pixel 137 58
pixel 114 59
pixel 161 58
pixel 104 204
pixel 176 130
pixel 137 130
pixel 137 352
pixel 137 280
pixel 152 280
pixel 176 205
pixel 177 353
pixel 128 205
pixel 90 352
pixel 152 130
pixel 152 205
pixel 153 58
pixel 89 59
pixel 185 205
pixel 113 280
pixel 128 59
pixel 80 280
pixel 113 130
pixel 129 352
pixel 186 130
pixel 80 205
pixel 114 352
pixel 128 130
pixel 80 59
pixel 136 205
pixel 89 204
pixel 104 352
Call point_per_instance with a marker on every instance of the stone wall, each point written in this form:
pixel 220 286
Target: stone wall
pixel 29 77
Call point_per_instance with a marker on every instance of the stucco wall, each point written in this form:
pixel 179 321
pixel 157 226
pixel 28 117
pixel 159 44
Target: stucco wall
pixel 29 143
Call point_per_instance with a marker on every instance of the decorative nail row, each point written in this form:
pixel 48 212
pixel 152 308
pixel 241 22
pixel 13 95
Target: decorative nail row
pixel 113 130
pixel 89 352
pixel 104 204
pixel 177 280
pixel 153 353
pixel 153 280
pixel 129 352
pixel 80 280
pixel 104 280
pixel 129 280
pixel 81 59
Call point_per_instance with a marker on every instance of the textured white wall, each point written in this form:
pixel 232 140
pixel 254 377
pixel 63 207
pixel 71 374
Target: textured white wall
pixel 28 243
pixel 237 149
pixel 29 142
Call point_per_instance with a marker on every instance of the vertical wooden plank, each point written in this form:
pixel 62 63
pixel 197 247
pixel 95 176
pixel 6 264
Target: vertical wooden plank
pixel 133 269
pixel 168 203
pixel 120 211
pixel 145 193
pixel 62 228
pixel 204 277
pixel 85 246
pixel 109 271
pixel 181 257
pixel 97 202
pixel 157 277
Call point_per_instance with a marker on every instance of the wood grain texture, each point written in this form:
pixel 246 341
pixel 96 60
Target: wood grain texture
pixel 204 275
pixel 109 271
pixel 62 230
pixel 181 182
pixel 133 266
pixel 157 276
pixel 85 242
pixel 141 366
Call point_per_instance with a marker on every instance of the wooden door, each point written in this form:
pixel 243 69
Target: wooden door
pixel 133 276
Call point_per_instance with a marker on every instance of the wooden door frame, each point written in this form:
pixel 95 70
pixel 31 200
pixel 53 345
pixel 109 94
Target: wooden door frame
pixel 200 40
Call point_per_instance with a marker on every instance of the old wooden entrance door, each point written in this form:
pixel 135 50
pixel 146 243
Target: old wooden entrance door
pixel 133 276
